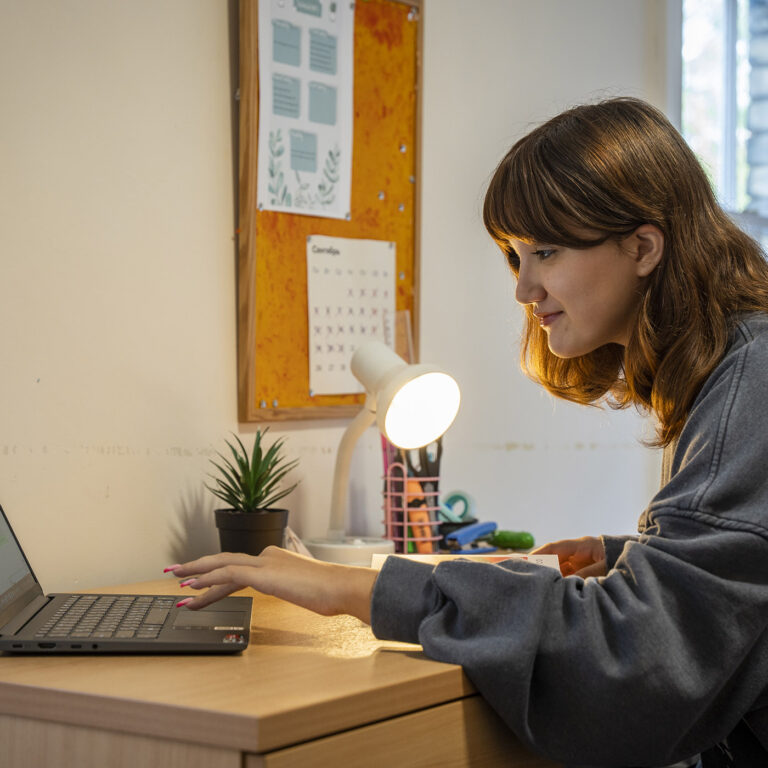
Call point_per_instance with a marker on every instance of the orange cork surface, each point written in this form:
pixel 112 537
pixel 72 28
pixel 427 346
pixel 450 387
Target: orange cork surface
pixel 273 354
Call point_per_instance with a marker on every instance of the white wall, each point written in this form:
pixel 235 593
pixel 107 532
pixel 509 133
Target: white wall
pixel 117 277
pixel 531 462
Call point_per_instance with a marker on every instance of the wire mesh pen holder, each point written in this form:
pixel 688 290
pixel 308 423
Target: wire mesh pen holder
pixel 410 511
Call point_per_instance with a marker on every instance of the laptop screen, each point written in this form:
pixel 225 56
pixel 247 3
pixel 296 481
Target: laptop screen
pixel 16 577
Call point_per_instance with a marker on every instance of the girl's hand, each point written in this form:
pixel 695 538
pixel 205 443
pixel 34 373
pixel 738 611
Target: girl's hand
pixel 578 557
pixel 325 588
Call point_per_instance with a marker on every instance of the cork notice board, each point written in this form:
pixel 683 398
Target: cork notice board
pixel 273 334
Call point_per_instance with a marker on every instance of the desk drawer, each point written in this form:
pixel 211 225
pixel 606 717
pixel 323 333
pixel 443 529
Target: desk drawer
pixel 27 743
pixel 462 733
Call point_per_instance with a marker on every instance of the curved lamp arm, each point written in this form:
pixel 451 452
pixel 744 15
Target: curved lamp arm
pixel 340 491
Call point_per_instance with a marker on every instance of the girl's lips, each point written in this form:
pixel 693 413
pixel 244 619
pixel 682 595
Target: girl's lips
pixel 548 318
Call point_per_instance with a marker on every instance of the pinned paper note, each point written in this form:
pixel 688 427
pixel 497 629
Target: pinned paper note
pixel 351 300
pixel 305 107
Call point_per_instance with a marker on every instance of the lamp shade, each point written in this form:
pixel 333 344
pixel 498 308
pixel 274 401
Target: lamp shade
pixel 414 404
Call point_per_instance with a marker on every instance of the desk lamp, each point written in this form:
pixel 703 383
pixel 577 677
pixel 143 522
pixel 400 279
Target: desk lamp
pixel 413 405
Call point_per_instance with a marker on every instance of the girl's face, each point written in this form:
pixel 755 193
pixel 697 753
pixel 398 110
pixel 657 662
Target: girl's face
pixel 585 298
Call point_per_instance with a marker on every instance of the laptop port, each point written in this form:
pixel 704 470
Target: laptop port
pixel 17 645
pixel 76 645
pixel 46 645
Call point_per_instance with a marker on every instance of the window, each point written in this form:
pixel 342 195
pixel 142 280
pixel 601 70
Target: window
pixel 725 102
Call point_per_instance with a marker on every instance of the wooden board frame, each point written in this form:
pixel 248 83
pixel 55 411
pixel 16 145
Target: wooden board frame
pixel 273 359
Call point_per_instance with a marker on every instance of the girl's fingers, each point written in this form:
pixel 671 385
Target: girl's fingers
pixel 209 563
pixel 220 575
pixel 236 576
pixel 211 596
pixel 553 548
pixel 595 569
pixel 564 548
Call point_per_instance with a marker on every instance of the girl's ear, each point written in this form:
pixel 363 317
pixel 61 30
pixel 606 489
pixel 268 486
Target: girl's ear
pixel 647 247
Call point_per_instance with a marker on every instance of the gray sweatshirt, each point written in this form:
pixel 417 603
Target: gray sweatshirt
pixel 662 657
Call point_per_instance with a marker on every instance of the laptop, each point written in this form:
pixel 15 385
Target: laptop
pixel 31 622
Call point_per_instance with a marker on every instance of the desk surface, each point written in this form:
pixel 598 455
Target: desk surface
pixel 302 676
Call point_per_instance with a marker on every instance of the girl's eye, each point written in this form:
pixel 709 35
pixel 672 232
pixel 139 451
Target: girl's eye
pixel 544 253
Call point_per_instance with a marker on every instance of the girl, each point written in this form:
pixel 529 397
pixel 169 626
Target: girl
pixel 637 290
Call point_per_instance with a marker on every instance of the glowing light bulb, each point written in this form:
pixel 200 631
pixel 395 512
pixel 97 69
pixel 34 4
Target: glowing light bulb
pixel 422 410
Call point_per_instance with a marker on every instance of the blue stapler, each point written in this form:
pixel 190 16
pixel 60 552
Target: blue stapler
pixel 466 540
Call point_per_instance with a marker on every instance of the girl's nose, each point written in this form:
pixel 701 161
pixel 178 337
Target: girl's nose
pixel 529 289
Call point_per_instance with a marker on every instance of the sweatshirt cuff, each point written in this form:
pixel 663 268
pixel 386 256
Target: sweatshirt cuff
pixel 402 596
pixel 614 546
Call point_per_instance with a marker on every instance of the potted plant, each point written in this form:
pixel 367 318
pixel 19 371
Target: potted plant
pixel 250 485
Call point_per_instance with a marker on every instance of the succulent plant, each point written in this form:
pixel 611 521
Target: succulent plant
pixel 250 483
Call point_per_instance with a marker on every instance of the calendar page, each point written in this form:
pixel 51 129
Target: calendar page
pixel 351 300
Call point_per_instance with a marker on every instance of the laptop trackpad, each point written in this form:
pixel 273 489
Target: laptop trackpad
pixel 230 620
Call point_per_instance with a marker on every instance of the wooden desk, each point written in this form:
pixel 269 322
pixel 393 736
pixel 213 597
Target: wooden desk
pixel 309 691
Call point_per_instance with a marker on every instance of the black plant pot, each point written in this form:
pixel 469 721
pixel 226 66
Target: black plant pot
pixel 250 532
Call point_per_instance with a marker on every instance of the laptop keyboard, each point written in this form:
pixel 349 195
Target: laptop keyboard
pixel 109 616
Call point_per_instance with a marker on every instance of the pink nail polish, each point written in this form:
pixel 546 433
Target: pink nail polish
pixel 182 603
pixel 172 567
pixel 187 582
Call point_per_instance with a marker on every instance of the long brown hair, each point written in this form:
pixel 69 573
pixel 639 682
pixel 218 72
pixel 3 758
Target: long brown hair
pixel 607 168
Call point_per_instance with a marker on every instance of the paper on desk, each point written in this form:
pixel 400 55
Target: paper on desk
pixel 550 561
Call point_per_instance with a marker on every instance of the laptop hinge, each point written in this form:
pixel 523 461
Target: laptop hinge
pixel 24 616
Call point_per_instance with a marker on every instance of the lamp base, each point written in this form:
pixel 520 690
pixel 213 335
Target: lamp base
pixel 351 550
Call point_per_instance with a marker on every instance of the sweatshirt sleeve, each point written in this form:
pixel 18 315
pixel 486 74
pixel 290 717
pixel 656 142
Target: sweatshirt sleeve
pixel 614 546
pixel 654 662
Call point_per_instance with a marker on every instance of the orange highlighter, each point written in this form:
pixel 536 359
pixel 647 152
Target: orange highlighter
pixel 420 529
